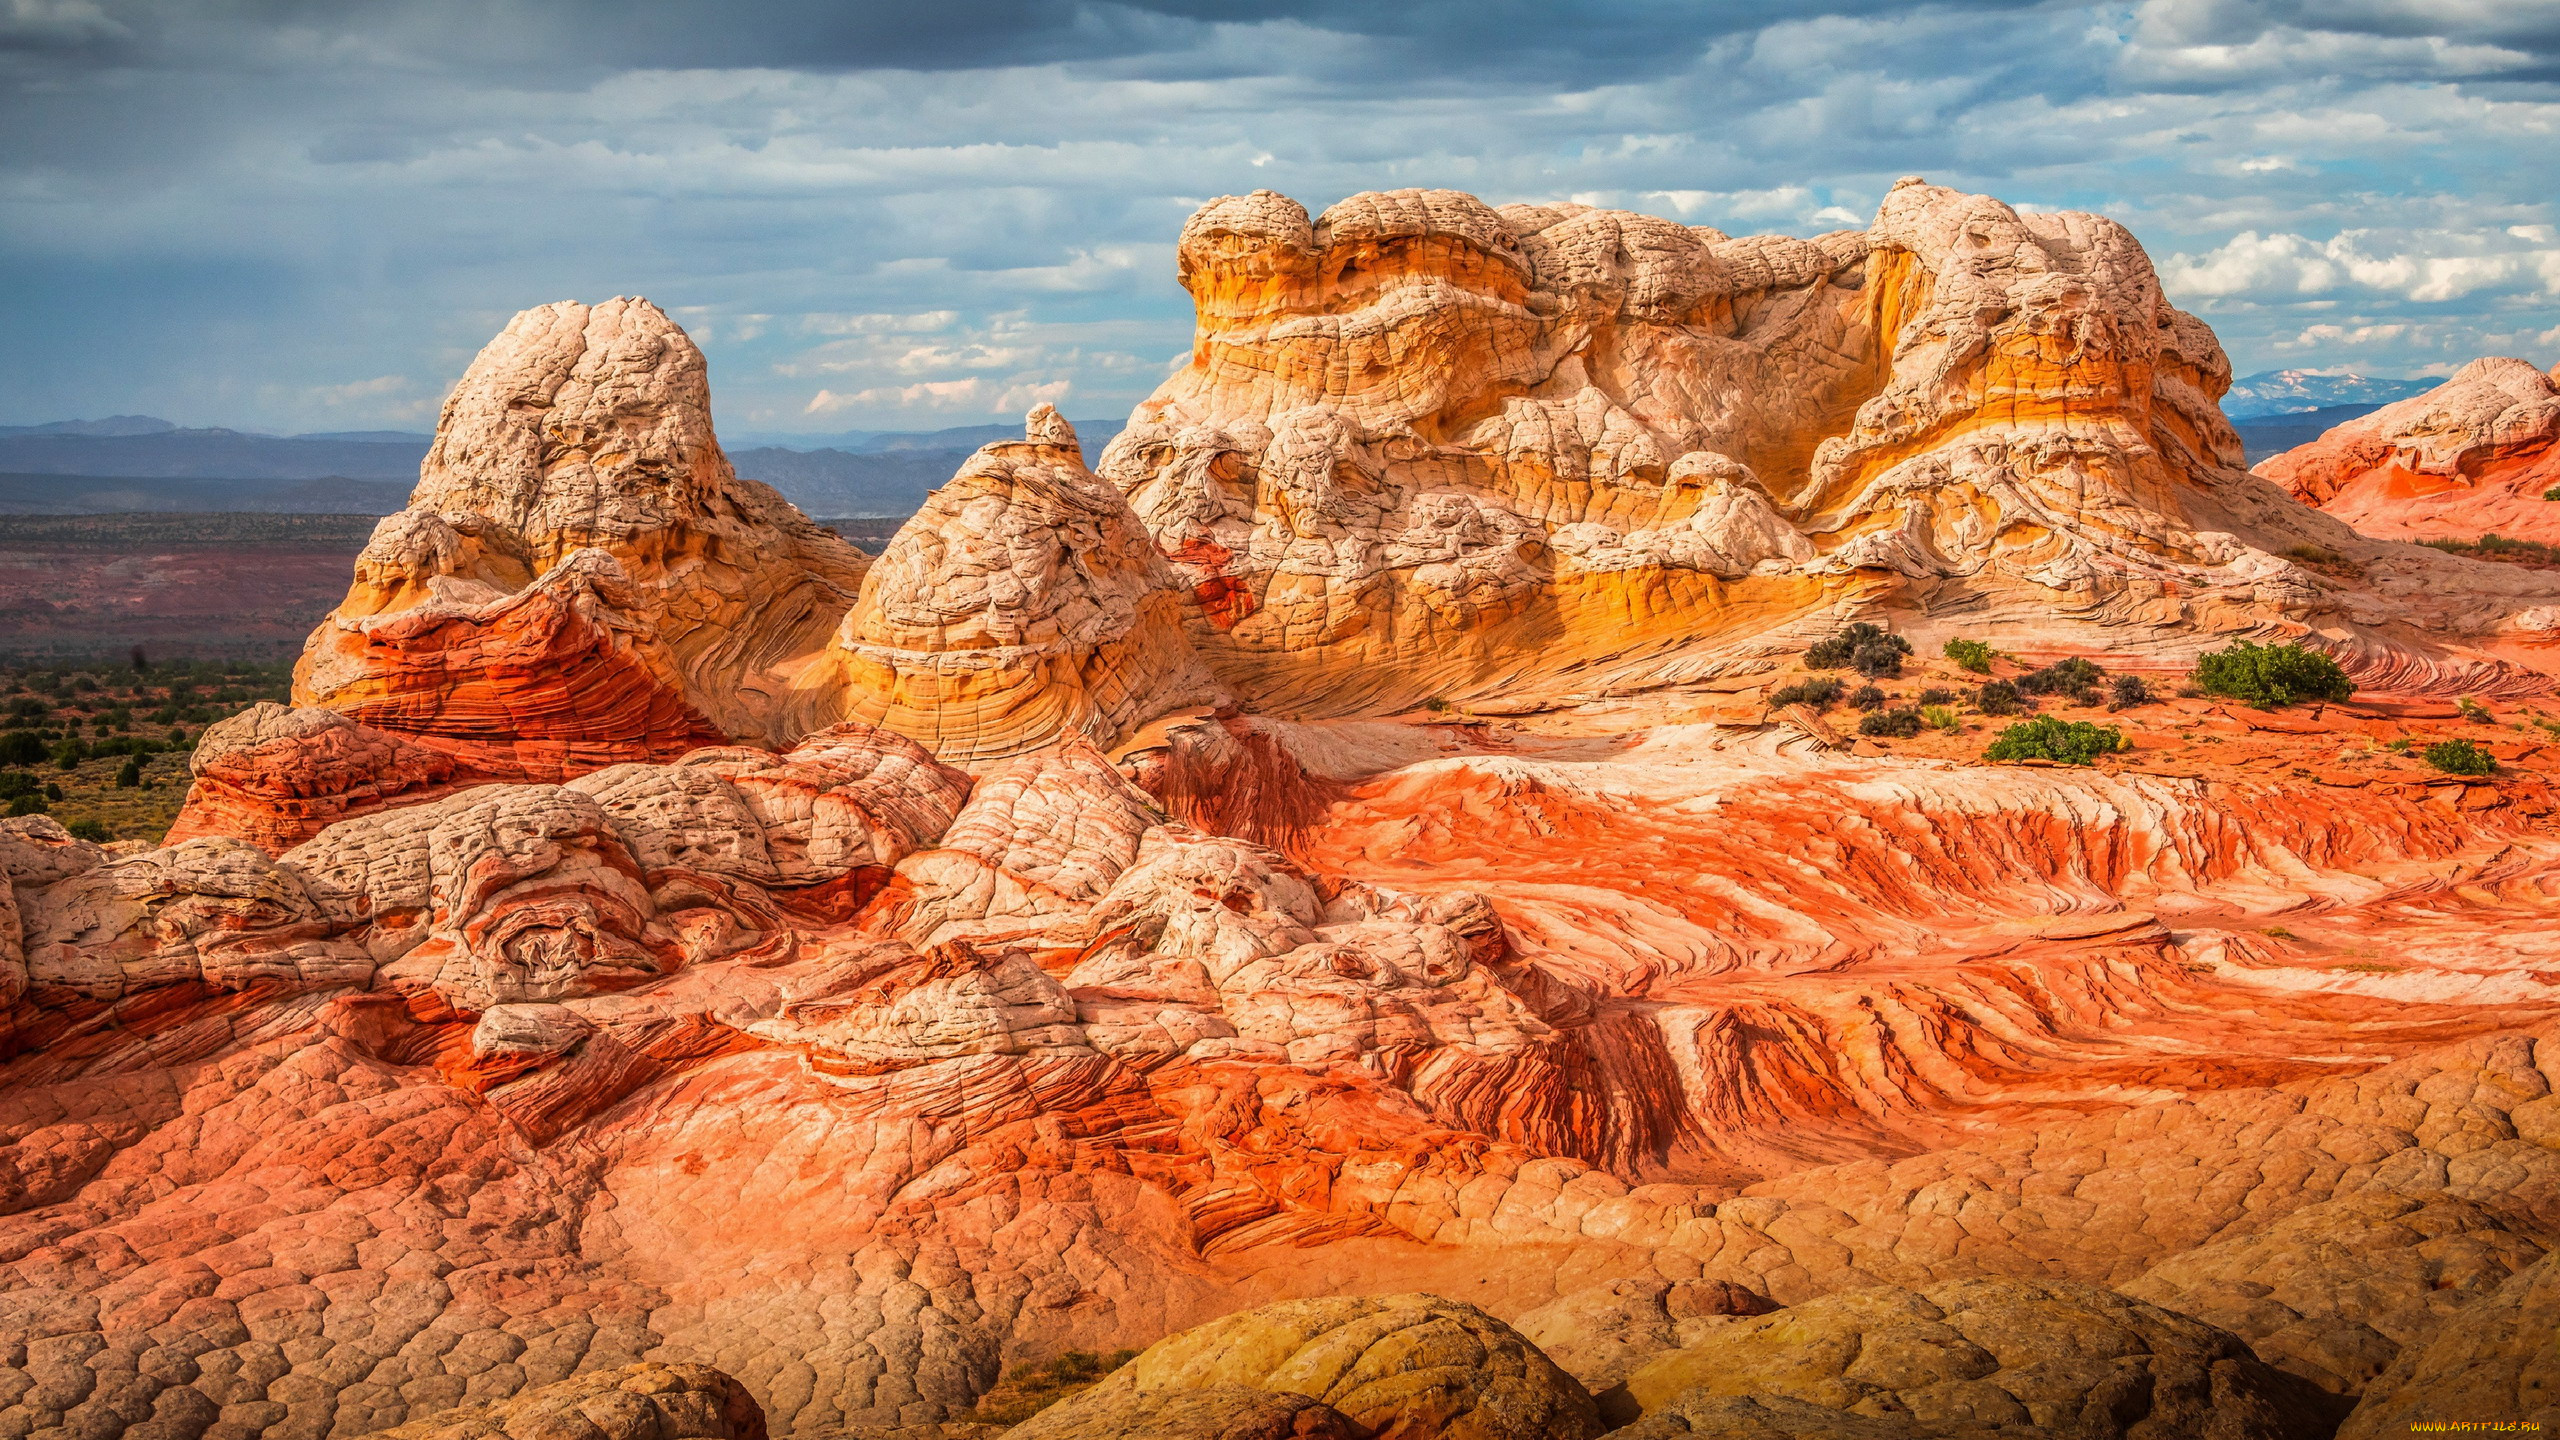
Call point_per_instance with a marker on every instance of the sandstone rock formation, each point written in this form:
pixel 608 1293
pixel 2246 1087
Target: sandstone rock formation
pixel 1990 1356
pixel 655 947
pixel 1402 1367
pixel 2473 456
pixel 1426 449
pixel 1025 602
pixel 635 1402
pixel 579 576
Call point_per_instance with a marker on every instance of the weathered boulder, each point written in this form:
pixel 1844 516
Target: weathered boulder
pixel 1405 1367
pixel 1601 1334
pixel 2335 1292
pixel 1971 1356
pixel 2490 1362
pixel 648 1401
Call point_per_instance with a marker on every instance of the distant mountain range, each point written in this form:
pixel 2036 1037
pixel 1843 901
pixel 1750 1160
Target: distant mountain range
pixel 141 463
pixel 2295 392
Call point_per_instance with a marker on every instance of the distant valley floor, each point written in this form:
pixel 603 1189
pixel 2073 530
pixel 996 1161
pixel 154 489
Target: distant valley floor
pixel 213 585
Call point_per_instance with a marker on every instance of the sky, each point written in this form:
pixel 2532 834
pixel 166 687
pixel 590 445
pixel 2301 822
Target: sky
pixel 307 215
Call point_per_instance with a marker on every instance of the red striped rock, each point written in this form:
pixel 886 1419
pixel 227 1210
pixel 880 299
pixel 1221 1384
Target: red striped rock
pixel 2471 457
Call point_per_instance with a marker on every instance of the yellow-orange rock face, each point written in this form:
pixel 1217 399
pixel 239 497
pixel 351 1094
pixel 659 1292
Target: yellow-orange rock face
pixel 2472 457
pixel 1427 448
pixel 579 564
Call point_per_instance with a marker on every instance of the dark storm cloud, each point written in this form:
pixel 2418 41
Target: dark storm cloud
pixel 307 215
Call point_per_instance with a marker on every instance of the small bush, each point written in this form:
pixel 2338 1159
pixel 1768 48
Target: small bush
pixel 2552 494
pixel 1821 693
pixel 2324 560
pixel 1937 695
pixel 2072 742
pixel 2475 712
pixel 1866 697
pixel 91 830
pixel 2075 678
pixel 1970 655
pixel 2460 757
pixel 129 775
pixel 1897 724
pixel 1942 716
pixel 1844 649
pixel 28 805
pixel 21 747
pixel 2001 698
pixel 2267 676
pixel 2127 692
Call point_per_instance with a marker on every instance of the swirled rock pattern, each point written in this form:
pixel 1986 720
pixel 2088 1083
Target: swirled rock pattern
pixel 2473 456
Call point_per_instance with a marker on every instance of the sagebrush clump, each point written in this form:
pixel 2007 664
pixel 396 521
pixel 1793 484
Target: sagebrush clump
pixel 1970 655
pixel 1820 692
pixel 1895 724
pixel 1867 697
pixel 2001 698
pixel 1871 650
pixel 2075 678
pixel 2127 692
pixel 2267 676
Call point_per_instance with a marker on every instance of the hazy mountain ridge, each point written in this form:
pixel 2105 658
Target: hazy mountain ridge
pixel 2295 392
pixel 141 463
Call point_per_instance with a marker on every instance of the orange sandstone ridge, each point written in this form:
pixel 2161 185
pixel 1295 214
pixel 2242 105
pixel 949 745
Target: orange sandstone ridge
pixel 2474 456
pixel 669 970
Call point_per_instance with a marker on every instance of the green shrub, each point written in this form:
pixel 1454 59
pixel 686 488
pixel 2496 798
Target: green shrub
pixel 2127 692
pixel 1896 724
pixel 1942 716
pixel 2072 742
pixel 21 747
pixel 1937 695
pixel 2460 757
pixel 2552 494
pixel 2001 698
pixel 129 775
pixel 2267 676
pixel 27 805
pixel 69 754
pixel 1821 692
pixel 1866 697
pixel 92 830
pixel 2475 712
pixel 1970 655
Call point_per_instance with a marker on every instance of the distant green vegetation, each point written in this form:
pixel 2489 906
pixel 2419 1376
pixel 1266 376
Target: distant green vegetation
pixel 1971 655
pixel 2267 676
pixel 2071 742
pixel 2498 547
pixel 102 745
pixel 230 527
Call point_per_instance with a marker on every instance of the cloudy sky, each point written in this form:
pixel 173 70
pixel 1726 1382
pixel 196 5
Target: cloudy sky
pixel 299 215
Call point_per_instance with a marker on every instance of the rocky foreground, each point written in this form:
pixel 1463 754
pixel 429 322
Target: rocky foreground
pixel 1345 894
